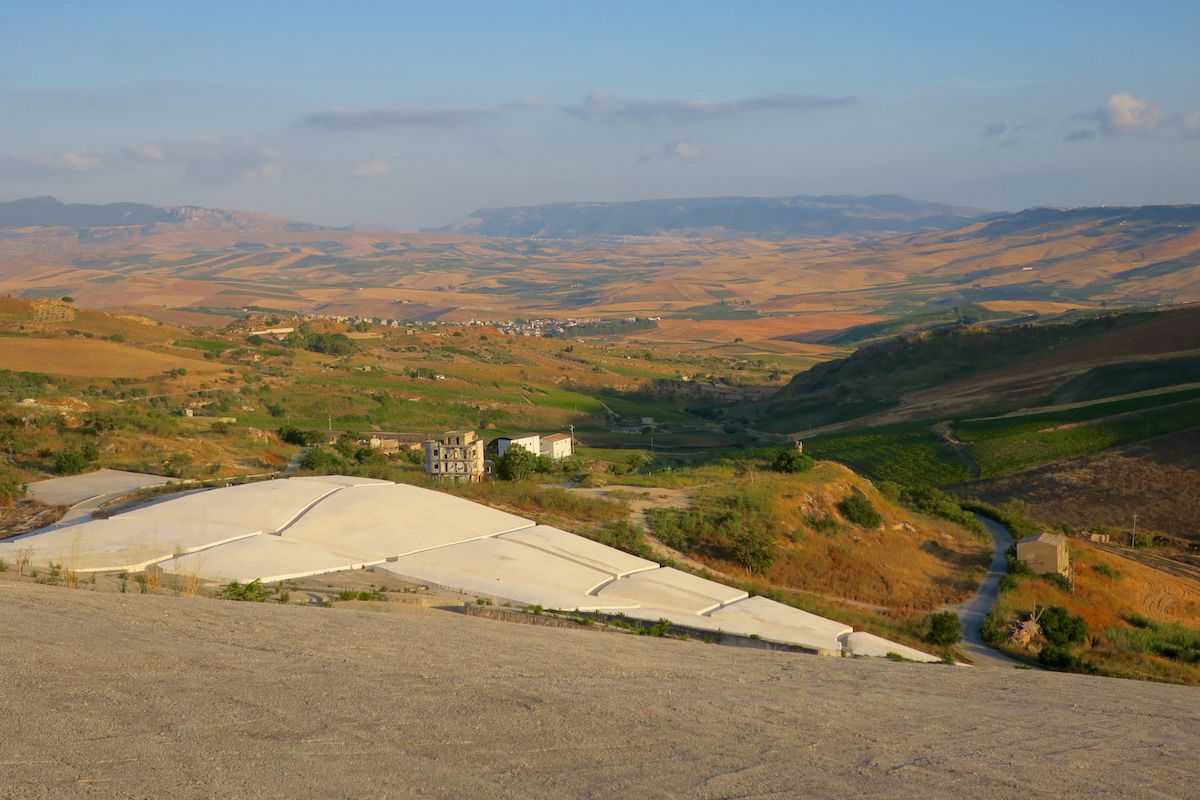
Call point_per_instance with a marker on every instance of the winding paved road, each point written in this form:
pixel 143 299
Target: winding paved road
pixel 974 611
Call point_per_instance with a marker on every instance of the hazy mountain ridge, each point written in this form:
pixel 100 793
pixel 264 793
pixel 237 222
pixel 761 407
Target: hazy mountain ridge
pixel 46 219
pixel 770 218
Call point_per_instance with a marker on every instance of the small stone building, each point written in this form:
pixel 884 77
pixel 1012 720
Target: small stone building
pixel 1045 552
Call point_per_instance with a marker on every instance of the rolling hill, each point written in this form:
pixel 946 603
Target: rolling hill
pixel 768 218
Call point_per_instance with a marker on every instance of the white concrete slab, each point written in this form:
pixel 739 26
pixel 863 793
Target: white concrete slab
pixel 579 550
pixel 397 519
pixel 862 643
pixel 344 480
pixel 267 505
pixel 511 561
pixel 77 488
pixel 810 640
pixel 120 543
pixel 266 558
pixel 500 590
pixel 670 588
pixel 770 614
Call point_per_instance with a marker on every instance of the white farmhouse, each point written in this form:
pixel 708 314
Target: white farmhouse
pixel 530 441
pixel 557 445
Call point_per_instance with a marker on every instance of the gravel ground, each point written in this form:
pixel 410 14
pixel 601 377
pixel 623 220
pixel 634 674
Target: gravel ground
pixel 142 696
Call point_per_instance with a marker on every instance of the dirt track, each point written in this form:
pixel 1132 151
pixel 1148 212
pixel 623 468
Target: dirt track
pixel 115 696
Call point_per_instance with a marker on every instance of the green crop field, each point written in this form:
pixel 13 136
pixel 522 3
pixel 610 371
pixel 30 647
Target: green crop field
pixel 906 454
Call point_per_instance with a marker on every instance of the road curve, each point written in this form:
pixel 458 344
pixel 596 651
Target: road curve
pixel 974 611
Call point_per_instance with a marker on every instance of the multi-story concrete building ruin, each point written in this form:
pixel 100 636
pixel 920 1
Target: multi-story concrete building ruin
pixel 458 455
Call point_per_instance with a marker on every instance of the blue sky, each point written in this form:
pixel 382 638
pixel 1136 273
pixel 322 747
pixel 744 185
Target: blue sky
pixel 411 114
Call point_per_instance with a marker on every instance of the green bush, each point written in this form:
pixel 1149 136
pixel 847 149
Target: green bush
pixel 71 461
pixel 252 592
pixel 323 462
pixel 825 524
pixel 1106 571
pixel 1058 581
pixel 945 629
pixel 792 461
pixel 858 509
pixel 1009 583
pixel 1060 658
pixel 1061 629
pixel 293 435
pixel 992 631
pixel 1018 568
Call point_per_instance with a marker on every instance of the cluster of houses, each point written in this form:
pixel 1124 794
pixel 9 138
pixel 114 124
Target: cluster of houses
pixel 460 455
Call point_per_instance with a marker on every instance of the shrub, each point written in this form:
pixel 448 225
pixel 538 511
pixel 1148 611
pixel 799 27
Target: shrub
pixel 1106 571
pixel 1009 583
pixel 1060 658
pixel 992 631
pixel 661 627
pixel 323 462
pixel 825 524
pixel 1058 581
pixel 1019 569
pixel 792 461
pixel 293 435
pixel 71 462
pixel 252 592
pixel 945 629
pixel 858 509
pixel 1061 629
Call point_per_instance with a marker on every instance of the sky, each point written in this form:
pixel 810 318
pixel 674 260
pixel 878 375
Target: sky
pixel 415 114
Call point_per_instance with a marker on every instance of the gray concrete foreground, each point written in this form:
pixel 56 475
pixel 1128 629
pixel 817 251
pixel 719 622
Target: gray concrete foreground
pixel 139 696
pixel 77 488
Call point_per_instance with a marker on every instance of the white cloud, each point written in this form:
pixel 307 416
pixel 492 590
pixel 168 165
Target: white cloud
pixel 1191 125
pixel 351 119
pixel 371 170
pixel 1122 114
pixel 46 165
pixel 211 160
pixel 528 101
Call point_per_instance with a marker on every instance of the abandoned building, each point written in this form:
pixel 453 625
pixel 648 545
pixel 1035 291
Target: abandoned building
pixel 1045 552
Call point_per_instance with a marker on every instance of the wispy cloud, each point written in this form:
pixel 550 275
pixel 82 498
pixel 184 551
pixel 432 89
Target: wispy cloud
pixel 1080 135
pixel 371 170
pixel 599 104
pixel 682 150
pixel 1191 125
pixel 526 102
pixel 211 160
pixel 995 128
pixel 49 165
pixel 352 119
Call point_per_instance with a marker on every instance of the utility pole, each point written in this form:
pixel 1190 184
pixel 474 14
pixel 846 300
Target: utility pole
pixel 1133 538
pixel 572 427
pixel 331 422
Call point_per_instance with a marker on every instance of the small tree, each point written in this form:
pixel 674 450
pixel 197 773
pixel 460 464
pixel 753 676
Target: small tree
pixel 945 629
pixel 1060 628
pixel 517 464
pixel 792 461
pixel 755 550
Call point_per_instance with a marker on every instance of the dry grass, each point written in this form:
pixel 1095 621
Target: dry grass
pixel 89 358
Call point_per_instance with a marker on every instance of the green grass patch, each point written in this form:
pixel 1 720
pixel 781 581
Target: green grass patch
pixel 906 454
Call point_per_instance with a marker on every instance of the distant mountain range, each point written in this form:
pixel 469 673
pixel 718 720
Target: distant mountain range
pixel 769 218
pixel 45 218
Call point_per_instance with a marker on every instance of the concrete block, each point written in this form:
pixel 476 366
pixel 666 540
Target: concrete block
pixel 810 640
pixel 511 561
pixel 672 589
pixel 77 488
pixel 266 558
pixel 396 519
pixel 268 506
pixel 579 550
pixel 120 543
pixel 770 614
pixel 500 590
pixel 862 643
